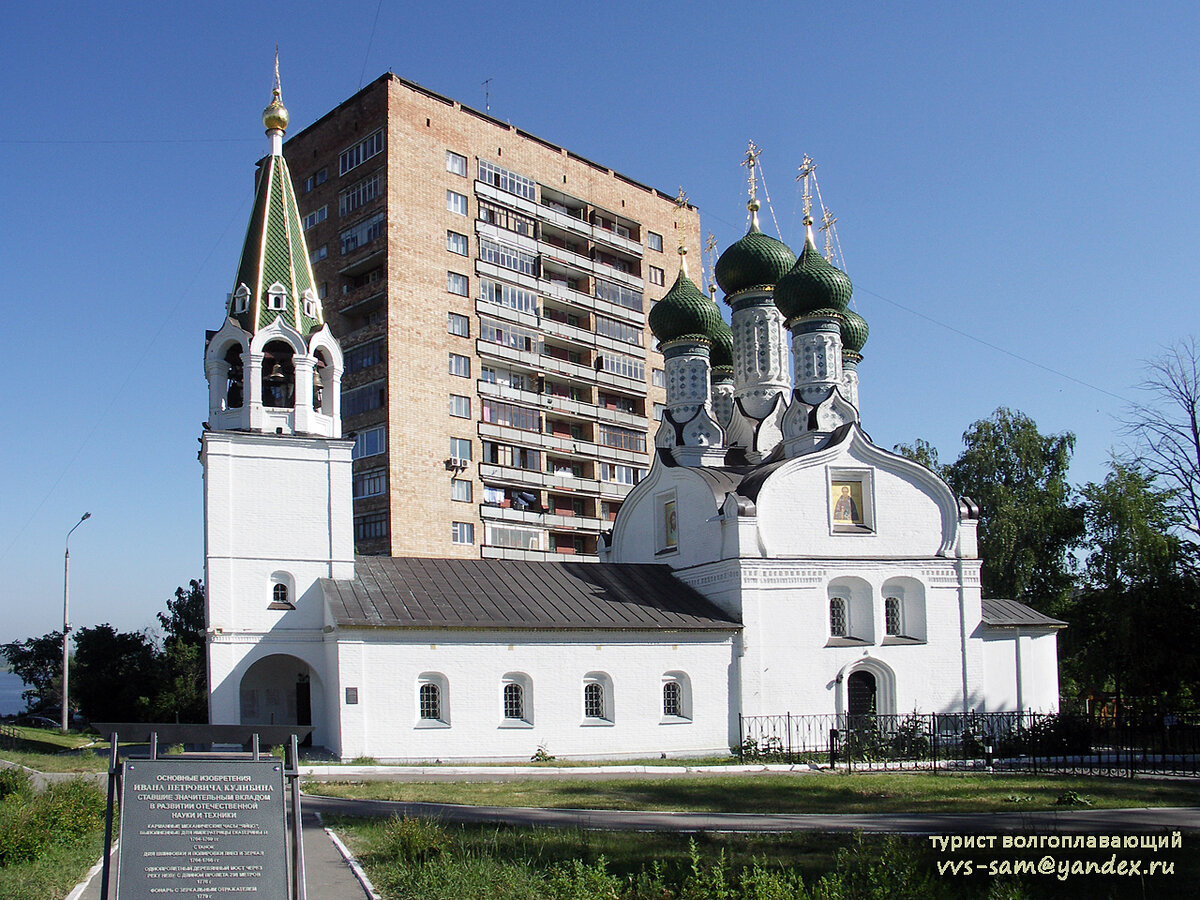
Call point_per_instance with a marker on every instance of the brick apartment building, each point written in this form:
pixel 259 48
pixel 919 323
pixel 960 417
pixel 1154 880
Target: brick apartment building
pixel 490 290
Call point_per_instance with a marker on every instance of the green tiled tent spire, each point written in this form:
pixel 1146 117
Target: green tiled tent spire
pixel 274 254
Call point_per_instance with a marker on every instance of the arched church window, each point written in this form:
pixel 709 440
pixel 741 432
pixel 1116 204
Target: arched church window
pixel 431 702
pixel 234 392
pixel 837 617
pixel 672 699
pixel 280 594
pixel 593 700
pixel 514 701
pixel 278 375
pixel 891 615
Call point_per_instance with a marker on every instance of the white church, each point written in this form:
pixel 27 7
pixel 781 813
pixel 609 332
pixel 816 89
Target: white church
pixel 773 559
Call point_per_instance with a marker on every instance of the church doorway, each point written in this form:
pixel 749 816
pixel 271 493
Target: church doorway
pixel 861 694
pixel 280 690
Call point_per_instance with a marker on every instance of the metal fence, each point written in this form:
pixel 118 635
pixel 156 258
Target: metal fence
pixel 1132 744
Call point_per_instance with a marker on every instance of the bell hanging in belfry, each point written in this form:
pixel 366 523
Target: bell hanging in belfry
pixel 276 376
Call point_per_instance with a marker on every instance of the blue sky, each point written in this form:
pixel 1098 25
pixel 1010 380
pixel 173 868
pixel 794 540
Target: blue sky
pixel 1015 190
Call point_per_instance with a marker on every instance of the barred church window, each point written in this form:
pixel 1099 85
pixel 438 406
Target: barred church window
pixel 431 702
pixel 514 701
pixel 672 699
pixel 280 594
pixel 593 701
pixel 891 611
pixel 837 617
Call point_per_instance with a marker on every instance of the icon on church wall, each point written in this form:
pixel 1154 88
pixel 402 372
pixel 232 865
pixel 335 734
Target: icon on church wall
pixel 847 500
pixel 670 525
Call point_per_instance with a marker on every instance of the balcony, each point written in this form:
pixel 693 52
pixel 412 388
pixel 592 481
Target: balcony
pixel 582 524
pixel 535 555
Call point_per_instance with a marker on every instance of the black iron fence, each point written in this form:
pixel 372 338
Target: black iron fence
pixel 1128 745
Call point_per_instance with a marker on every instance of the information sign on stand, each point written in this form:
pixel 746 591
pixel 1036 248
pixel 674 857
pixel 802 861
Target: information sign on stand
pixel 202 829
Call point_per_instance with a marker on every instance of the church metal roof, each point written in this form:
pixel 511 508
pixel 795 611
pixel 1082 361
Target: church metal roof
pixel 406 592
pixel 1010 613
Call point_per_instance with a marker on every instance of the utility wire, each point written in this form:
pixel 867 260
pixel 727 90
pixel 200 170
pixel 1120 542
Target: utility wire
pixel 370 41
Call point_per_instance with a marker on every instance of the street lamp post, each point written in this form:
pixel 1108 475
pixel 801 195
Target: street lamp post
pixel 66 616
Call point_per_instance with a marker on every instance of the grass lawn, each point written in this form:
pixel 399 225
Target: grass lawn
pixel 41 749
pixel 798 793
pixel 426 861
pixel 51 876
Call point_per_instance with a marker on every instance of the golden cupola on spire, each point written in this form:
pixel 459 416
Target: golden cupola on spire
pixel 275 116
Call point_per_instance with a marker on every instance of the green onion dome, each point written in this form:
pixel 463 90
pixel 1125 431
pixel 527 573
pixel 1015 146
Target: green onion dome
pixel 684 311
pixel 812 284
pixel 755 261
pixel 721 354
pixel 854 331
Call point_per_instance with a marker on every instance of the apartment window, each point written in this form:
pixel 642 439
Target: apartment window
pixel 316 178
pixel 363 233
pixel 460 406
pixel 618 474
pixel 619 364
pixel 370 483
pixel 319 254
pixel 513 457
pixel 507 180
pixel 459 325
pixel 507 257
pixel 456 202
pixel 357 401
pixel 657 276
pixel 364 356
pixel 370 526
pixel 517 338
pixel 370 442
pixel 511 415
pixel 457 284
pixel 513 538
pixel 316 217
pixel 462 532
pixel 623 438
pixel 360 152
pixel 360 194
pixel 654 241
pixel 456 163
pixel 458 243
pixel 837 617
pixel 618 294
pixel 505 378
pixel 460 490
pixel 460 365
pixel 507 295
pixel 460 449
pixel 618 331
pixel 506 219
pixel 891 615
pixel 658 377
pixel 659 409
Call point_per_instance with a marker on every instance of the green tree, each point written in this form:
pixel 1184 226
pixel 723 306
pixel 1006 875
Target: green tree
pixel 1136 622
pixel 1030 521
pixel 118 674
pixel 182 695
pixel 923 452
pixel 38 661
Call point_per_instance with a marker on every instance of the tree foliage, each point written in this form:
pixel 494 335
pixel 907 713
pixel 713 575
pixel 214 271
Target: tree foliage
pixel 1030 521
pixel 38 662
pixel 124 676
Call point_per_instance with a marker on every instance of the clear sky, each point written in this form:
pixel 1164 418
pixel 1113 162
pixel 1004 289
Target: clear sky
pixel 1015 186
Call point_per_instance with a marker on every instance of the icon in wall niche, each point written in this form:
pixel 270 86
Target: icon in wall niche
pixel 670 525
pixel 847 500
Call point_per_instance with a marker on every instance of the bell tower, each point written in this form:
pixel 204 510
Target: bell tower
pixel 277 472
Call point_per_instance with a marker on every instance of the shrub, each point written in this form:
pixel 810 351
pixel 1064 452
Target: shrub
pixel 64 812
pixel 411 841
pixel 14 780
